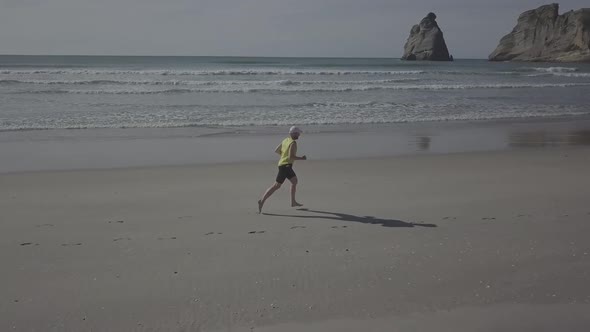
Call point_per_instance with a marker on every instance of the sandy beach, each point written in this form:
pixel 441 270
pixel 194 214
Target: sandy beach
pixel 480 241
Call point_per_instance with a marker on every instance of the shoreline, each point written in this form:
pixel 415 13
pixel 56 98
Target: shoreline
pixel 125 148
pixel 271 163
pixel 317 128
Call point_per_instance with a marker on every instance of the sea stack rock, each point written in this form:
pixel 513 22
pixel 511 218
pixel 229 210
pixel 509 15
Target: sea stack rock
pixel 426 42
pixel 543 35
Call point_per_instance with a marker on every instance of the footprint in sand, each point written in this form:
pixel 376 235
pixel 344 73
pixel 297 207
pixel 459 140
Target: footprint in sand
pixel 335 227
pixel 118 221
pixel 185 217
pixel 71 244
pixel 164 238
pixel 450 218
pixel 29 244
pixel 256 232
pixel 523 215
pixel 488 218
pixel 213 233
pixel 295 227
pixel 122 238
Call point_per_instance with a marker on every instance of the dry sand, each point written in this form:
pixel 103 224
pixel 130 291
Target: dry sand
pixel 491 241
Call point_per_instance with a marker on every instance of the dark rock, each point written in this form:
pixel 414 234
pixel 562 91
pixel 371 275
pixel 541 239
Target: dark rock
pixel 426 42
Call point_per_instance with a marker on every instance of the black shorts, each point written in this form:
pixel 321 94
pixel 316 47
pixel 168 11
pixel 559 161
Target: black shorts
pixel 285 172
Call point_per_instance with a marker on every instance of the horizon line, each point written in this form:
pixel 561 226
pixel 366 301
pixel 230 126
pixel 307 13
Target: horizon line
pixel 225 56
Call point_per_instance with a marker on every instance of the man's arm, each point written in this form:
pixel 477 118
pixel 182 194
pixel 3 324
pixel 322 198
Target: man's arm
pixel 278 149
pixel 293 152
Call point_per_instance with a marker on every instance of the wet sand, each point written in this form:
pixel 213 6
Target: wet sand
pixel 150 147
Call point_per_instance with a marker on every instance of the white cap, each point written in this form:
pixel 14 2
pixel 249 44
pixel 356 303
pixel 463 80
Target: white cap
pixel 295 129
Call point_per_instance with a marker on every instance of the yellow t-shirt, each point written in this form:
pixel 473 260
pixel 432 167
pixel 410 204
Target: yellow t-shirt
pixel 286 151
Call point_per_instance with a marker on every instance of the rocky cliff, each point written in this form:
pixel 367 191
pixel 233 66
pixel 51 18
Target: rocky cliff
pixel 544 35
pixel 426 42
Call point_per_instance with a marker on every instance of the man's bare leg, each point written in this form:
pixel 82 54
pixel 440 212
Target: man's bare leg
pixel 267 194
pixel 293 191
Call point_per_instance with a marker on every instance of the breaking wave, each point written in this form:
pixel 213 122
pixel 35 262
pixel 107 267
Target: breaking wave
pixel 287 88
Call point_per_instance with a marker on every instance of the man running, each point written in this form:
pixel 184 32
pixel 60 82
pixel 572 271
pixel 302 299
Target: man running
pixel 288 152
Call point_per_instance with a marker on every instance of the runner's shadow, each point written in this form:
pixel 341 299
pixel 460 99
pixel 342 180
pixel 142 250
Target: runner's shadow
pixel 349 217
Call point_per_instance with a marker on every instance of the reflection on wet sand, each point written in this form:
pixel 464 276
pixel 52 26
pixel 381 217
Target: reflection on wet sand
pixel 580 137
pixel 423 143
pixel 542 138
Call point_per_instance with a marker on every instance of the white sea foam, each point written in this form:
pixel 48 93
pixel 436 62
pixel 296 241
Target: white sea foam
pixel 559 71
pixel 273 72
pixel 210 72
pixel 572 74
pixel 556 69
pixel 350 118
pixel 213 94
pixel 287 89
pixel 199 83
pixel 259 72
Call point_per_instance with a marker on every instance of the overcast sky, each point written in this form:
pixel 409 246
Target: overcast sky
pixel 333 28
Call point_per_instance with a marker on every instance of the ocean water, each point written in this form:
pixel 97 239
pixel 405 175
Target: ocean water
pixel 83 92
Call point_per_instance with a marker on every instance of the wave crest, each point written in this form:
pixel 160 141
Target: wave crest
pixel 212 72
pixel 288 89
pixel 556 69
